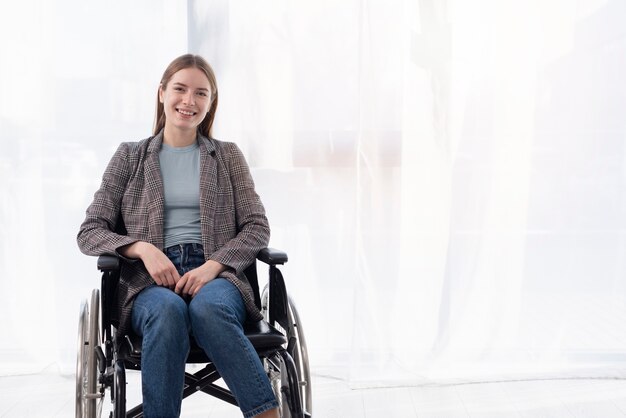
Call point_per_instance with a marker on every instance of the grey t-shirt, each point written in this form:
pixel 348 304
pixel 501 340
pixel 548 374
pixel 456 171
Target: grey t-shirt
pixel 180 170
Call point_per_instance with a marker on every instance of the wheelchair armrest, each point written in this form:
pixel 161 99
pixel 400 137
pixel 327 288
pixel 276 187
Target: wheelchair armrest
pixel 108 263
pixel 272 256
pixel 269 256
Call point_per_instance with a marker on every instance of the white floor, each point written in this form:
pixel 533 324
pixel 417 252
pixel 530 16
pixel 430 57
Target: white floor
pixel 49 395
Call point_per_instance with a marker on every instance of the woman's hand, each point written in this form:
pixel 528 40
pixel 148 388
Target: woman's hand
pixel 192 281
pixel 158 265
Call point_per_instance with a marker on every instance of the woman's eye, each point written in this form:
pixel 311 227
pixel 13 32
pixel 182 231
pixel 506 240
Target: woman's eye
pixel 178 89
pixel 203 94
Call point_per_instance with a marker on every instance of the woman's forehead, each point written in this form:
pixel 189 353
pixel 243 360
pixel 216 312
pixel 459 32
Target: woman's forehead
pixel 191 77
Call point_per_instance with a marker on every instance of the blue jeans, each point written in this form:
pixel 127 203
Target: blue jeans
pixel 215 317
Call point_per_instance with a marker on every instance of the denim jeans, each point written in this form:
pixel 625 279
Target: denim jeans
pixel 215 317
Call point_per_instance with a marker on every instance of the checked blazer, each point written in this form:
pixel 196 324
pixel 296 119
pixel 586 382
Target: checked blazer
pixel 233 223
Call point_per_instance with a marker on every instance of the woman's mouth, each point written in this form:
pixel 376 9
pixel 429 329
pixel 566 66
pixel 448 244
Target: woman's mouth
pixel 186 112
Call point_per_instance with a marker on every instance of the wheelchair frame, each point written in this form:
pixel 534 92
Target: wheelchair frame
pixel 279 340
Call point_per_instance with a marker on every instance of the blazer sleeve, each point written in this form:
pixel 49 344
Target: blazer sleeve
pixel 96 236
pixel 252 224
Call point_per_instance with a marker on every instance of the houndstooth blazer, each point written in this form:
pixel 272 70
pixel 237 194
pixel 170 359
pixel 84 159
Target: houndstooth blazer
pixel 233 222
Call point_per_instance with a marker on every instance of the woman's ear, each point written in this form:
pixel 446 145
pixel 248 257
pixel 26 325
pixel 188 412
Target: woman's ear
pixel 160 93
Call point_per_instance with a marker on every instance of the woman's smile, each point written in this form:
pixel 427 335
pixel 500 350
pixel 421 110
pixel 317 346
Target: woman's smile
pixel 186 112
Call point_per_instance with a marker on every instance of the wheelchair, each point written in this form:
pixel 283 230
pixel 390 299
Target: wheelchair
pixel 279 340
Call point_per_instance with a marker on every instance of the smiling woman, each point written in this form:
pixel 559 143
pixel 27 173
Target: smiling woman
pixel 180 274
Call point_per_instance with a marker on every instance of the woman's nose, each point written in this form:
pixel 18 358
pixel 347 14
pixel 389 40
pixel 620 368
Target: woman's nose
pixel 189 99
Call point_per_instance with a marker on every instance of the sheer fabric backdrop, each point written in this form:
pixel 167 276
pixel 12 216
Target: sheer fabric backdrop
pixel 447 177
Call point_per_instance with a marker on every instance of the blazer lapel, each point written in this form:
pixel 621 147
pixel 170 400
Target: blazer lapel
pixel 154 188
pixel 208 193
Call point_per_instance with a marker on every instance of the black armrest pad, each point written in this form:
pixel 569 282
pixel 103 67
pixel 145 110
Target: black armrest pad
pixel 108 263
pixel 272 256
pixel 269 256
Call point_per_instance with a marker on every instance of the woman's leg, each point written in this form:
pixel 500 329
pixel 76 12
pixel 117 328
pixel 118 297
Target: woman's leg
pixel 161 317
pixel 216 315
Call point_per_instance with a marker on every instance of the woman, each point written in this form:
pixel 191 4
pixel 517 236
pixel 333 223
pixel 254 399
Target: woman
pixel 194 223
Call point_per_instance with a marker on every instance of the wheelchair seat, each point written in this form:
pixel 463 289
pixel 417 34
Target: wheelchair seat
pixel 261 334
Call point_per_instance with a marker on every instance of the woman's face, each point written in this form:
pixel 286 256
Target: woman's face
pixel 186 99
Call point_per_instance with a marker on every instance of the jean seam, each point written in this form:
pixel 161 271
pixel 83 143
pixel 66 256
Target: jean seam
pixel 260 409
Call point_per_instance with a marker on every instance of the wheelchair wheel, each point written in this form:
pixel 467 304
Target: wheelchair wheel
pixel 298 353
pixel 87 405
pixel 301 359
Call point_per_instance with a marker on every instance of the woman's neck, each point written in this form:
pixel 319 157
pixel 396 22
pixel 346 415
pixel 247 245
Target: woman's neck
pixel 177 138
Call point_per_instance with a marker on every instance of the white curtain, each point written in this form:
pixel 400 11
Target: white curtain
pixel 447 177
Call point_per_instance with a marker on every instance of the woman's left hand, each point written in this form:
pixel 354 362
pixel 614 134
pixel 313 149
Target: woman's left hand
pixel 192 281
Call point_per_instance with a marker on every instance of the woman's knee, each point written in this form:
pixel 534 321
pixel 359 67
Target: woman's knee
pixel 160 309
pixel 217 302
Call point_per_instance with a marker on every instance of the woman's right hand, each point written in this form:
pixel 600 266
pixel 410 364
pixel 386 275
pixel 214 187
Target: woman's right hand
pixel 158 265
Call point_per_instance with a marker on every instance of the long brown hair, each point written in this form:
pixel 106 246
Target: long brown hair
pixel 181 63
